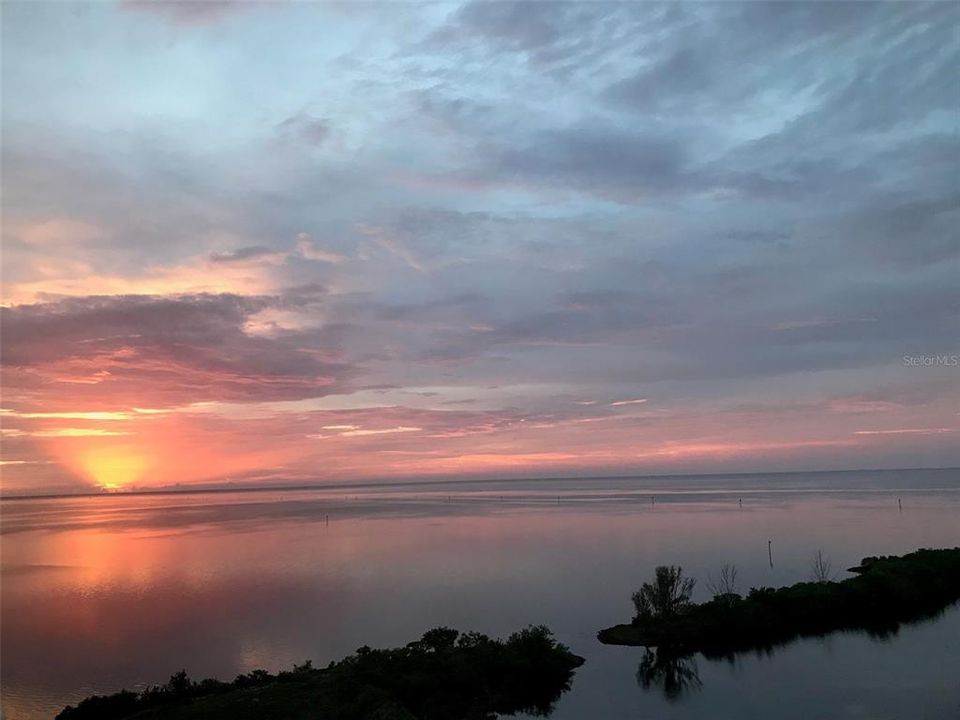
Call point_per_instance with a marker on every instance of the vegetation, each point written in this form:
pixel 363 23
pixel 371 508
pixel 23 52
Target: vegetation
pixel 667 596
pixel 821 570
pixel 883 593
pixel 725 584
pixel 445 675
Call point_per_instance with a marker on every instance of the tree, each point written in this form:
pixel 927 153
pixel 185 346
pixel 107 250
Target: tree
pixel 726 583
pixel 179 683
pixel 822 568
pixel 667 595
pixel 440 638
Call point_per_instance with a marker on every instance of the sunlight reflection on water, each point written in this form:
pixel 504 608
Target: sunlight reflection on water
pixel 120 591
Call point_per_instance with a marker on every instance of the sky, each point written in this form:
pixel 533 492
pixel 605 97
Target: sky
pixel 294 242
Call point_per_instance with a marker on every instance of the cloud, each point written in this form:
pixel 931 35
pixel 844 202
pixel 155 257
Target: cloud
pixel 354 431
pixel 556 36
pixel 839 80
pixel 50 235
pixel 76 432
pixel 97 416
pixel 253 252
pixel 193 12
pixel 308 249
pixel 310 130
pixel 905 431
pixel 161 351
pixel 622 164
pixel 246 270
pixel 497 222
pixel 516 26
pixel 387 240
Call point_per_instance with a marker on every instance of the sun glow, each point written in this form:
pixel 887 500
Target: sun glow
pixel 168 448
pixel 113 468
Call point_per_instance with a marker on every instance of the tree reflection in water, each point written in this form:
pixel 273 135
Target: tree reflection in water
pixel 676 675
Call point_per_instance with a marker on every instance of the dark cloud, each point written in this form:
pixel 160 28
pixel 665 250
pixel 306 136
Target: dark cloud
pixel 424 312
pixel 602 160
pixel 809 85
pixel 909 234
pixel 685 73
pixel 166 350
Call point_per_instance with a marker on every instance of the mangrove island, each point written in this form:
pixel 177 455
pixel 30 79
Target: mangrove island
pixel 883 593
pixel 445 675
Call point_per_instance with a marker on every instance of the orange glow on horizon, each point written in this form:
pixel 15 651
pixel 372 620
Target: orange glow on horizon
pixel 113 468
pixel 165 450
pixel 120 448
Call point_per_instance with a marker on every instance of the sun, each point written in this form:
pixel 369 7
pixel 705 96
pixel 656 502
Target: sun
pixel 113 468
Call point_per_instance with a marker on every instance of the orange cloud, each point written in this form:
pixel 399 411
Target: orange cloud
pixel 78 432
pixel 200 276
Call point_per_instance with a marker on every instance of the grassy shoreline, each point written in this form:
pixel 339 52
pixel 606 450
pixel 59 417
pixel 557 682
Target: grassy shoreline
pixel 883 593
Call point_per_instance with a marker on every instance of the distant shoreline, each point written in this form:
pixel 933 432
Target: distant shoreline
pixel 366 484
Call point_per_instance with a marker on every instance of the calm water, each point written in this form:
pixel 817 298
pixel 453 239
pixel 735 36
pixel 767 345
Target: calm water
pixel 109 592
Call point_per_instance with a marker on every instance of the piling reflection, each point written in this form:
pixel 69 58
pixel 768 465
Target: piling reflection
pixel 675 675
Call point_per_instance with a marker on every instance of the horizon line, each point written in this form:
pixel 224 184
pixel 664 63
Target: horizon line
pixel 225 487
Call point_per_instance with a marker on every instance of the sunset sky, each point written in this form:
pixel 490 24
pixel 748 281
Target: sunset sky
pixel 290 242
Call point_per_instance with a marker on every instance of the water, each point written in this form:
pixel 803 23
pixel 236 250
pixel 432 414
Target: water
pixel 101 593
